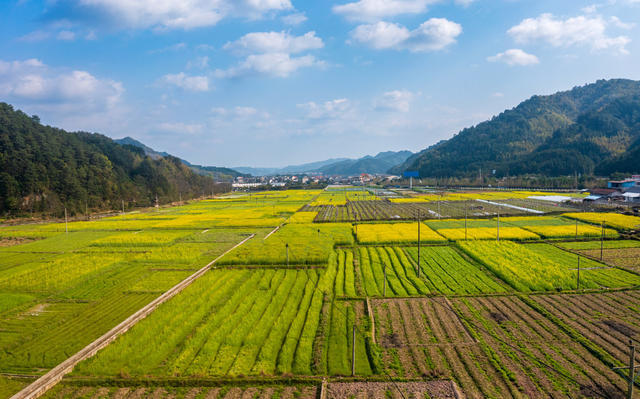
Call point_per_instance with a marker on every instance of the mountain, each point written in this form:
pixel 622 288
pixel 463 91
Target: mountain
pixel 45 169
pixel 380 163
pixel 589 129
pixel 147 150
pixel 292 169
pixel 216 172
pixel 338 166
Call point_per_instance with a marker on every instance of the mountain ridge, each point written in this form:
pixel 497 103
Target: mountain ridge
pixel 376 164
pixel 574 131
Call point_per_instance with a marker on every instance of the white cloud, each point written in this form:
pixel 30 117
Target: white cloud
pixel 432 35
pixel 294 19
pixel 275 42
pixel 180 128
pixel 271 64
pixel 381 35
pixel 66 35
pixel 615 21
pixel 198 63
pixel 373 10
pixel 396 100
pixel 33 82
pixel 328 110
pixel 186 82
pixel 183 14
pixel 464 3
pixel 588 31
pixel 514 56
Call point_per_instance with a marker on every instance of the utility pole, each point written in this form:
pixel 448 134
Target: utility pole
pixel 355 215
pixel 578 283
pixel 632 367
pixel 123 207
pixel 384 290
pixel 466 206
pixel 419 243
pixel 602 242
pixel 353 349
pixel 287 246
pixel 66 227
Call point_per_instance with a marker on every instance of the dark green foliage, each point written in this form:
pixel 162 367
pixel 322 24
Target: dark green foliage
pixel 44 169
pixel 586 130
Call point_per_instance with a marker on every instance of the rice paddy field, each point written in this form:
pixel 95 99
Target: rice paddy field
pixel 301 303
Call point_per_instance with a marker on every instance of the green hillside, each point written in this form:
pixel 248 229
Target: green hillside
pixel 44 169
pixel 589 129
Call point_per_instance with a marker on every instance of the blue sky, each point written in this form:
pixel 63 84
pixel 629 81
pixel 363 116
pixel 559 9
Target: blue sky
pixel 278 82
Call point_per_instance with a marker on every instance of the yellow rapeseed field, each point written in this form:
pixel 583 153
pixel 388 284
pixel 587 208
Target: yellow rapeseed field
pixel 616 220
pixel 489 233
pixel 395 233
pixel 584 230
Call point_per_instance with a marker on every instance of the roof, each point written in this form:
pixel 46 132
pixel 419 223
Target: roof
pixel 592 197
pixel 635 189
pixel 602 191
pixel 631 195
pixel 552 198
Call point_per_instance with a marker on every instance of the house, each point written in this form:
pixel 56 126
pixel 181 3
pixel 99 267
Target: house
pixel 632 195
pixel 633 181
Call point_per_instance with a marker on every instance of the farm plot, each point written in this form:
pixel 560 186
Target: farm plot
pixel 608 320
pixel 73 391
pixel 335 354
pixel 425 338
pixel 620 253
pixel 226 323
pixel 542 267
pixel 397 390
pixel 395 233
pixel 488 233
pixel 443 270
pixel 616 220
pixel 594 275
pixel 307 244
pixel 571 231
pixel 532 355
pixel 537 205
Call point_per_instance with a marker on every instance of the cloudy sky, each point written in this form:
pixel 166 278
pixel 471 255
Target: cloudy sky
pixel 278 82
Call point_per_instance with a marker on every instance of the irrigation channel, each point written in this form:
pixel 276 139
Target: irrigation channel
pixel 51 378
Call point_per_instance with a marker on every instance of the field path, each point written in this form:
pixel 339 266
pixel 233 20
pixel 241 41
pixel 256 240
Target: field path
pixel 50 379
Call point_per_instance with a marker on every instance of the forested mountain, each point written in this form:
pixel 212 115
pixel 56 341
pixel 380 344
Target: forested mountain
pixel 45 169
pixel 216 172
pixel 380 163
pixel 592 129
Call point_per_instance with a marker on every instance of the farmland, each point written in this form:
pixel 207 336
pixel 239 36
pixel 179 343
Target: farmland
pixel 302 299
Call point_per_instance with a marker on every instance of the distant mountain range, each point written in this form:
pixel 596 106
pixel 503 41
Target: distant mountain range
pixel 592 129
pixel 380 163
pixel 216 172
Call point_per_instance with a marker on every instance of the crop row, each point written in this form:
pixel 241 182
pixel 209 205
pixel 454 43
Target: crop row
pixel 542 267
pixel 226 323
pixel 492 347
pixel 304 244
